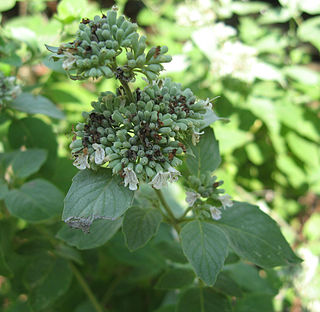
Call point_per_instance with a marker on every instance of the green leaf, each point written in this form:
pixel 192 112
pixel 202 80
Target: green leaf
pixel 36 104
pixel 48 278
pixel 6 5
pixel 244 8
pixel 100 232
pixel 175 278
pixel 203 300
pixel 140 225
pixel 52 49
pixel 209 118
pixel 95 195
pixel 206 156
pixel 247 276
pixel 34 133
pixel 227 285
pixel 4 190
pixel 254 302
pixel 26 163
pixel 172 250
pixel 206 248
pixel 309 30
pixel 255 236
pixel 303 75
pixel 36 200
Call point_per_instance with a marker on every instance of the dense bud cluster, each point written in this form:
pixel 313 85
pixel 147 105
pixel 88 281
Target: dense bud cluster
pixel 205 195
pixel 9 90
pixel 100 41
pixel 140 140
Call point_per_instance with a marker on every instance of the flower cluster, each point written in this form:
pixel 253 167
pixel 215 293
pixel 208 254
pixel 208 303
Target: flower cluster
pixel 100 41
pixel 9 90
pixel 139 140
pixel 205 195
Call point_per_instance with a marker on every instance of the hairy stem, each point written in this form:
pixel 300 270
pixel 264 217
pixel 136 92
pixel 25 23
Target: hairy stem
pixel 165 205
pixel 127 90
pixel 86 289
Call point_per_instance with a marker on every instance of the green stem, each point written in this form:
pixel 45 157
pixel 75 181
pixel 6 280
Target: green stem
pixel 171 216
pixel 127 90
pixel 86 288
pixel 185 213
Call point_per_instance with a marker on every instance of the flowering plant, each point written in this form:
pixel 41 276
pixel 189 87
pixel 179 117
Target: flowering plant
pixel 134 142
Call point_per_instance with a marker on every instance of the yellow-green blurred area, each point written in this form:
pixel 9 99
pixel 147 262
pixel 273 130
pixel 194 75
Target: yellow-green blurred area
pixel 259 58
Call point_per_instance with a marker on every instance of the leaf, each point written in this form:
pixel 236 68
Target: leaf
pixel 100 232
pixel 209 118
pixel 255 236
pixel 4 190
pixel 52 49
pixel 203 300
pixel 172 250
pixel 247 276
pixel 6 5
pixel 25 163
pixel 48 278
pixel 34 133
pixel 254 302
pixel 175 278
pixel 36 200
pixel 309 30
pixel 303 75
pixel 36 104
pixel 206 154
pixel 206 248
pixel 244 8
pixel 140 225
pixel 227 285
pixel 95 195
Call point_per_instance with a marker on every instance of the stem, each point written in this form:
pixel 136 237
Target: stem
pixel 86 288
pixel 165 205
pixel 185 213
pixel 127 90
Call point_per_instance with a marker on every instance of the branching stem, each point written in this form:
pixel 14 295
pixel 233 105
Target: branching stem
pixel 171 216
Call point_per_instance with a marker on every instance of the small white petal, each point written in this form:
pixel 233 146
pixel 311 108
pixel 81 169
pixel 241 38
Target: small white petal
pixel 130 178
pixel 69 61
pixel 81 162
pixel 99 154
pixel 226 201
pixel 160 180
pixel 192 197
pixel 196 137
pixel 215 213
pixel 173 174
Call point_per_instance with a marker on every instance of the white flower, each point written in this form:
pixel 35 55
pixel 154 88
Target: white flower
pixel 130 178
pixel 192 197
pixel 81 162
pixel 196 137
pixel 99 153
pixel 160 180
pixel 69 61
pixel 226 201
pixel 215 213
pixel 173 174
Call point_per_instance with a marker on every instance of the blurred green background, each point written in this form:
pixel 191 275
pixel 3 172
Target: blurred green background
pixel 259 58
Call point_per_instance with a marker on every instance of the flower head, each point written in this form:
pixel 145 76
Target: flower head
pixel 130 179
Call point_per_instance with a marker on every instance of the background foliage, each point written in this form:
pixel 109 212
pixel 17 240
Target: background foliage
pixel 260 58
